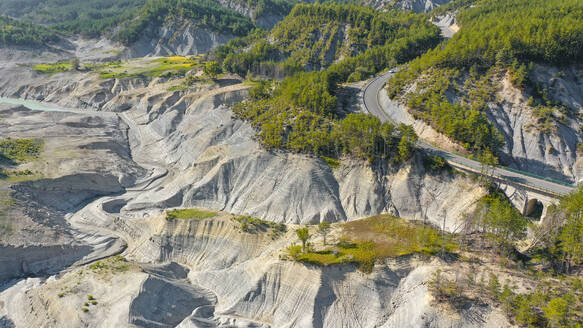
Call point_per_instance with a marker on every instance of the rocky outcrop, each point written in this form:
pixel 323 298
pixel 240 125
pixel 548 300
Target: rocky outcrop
pixel 214 162
pixel 266 20
pixel 549 153
pixel 37 260
pixel 83 156
pixel 212 274
pixel 176 38
pixel 417 6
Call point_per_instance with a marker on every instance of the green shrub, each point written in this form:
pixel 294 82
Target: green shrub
pixel 294 251
pixel 250 224
pixel 53 68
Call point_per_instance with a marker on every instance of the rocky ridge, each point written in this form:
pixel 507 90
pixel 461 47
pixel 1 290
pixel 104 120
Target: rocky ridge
pixel 144 149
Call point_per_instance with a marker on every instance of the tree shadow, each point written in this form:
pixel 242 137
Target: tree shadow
pixel 535 167
pixel 5 160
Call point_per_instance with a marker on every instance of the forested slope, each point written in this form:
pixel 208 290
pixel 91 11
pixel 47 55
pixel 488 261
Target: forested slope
pixel 89 18
pixel 313 37
pixel 301 113
pixel 13 32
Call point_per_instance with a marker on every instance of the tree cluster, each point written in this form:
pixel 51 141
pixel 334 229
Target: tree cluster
pixel 299 114
pixel 13 32
pixel 89 18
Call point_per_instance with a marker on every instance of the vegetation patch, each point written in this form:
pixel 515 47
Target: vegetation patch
pixel 367 240
pixel 203 13
pixel 334 163
pixel 15 32
pixel 53 68
pixel 250 224
pixel 436 164
pixel 313 36
pixel 172 66
pixel 88 18
pixel 114 264
pixel 19 149
pixel 189 214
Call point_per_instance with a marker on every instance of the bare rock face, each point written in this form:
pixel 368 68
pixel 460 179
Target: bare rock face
pixel 136 149
pixel 417 6
pixel 420 6
pixel 529 146
pixel 84 156
pixel 176 38
pixel 266 20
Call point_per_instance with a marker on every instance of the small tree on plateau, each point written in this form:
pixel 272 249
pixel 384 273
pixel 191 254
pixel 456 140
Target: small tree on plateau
pixel 212 69
pixel 303 235
pixel 75 63
pixel 324 229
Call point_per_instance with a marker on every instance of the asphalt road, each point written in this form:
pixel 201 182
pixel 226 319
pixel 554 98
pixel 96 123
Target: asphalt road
pixel 373 106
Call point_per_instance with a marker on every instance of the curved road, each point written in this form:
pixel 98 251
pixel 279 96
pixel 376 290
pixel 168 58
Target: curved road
pixel 372 105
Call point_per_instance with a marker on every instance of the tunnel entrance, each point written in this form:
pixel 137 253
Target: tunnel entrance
pixel 534 209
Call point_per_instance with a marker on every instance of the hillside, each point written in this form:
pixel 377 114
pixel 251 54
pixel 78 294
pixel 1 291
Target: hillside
pixel 313 37
pixel 16 33
pixel 131 21
pixel 506 59
pixel 302 113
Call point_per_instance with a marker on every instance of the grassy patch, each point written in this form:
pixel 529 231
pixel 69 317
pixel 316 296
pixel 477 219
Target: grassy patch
pixel 53 68
pixel 382 236
pixel 362 253
pixel 190 213
pixel 394 236
pixel 21 150
pixel 138 68
pixel 334 163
